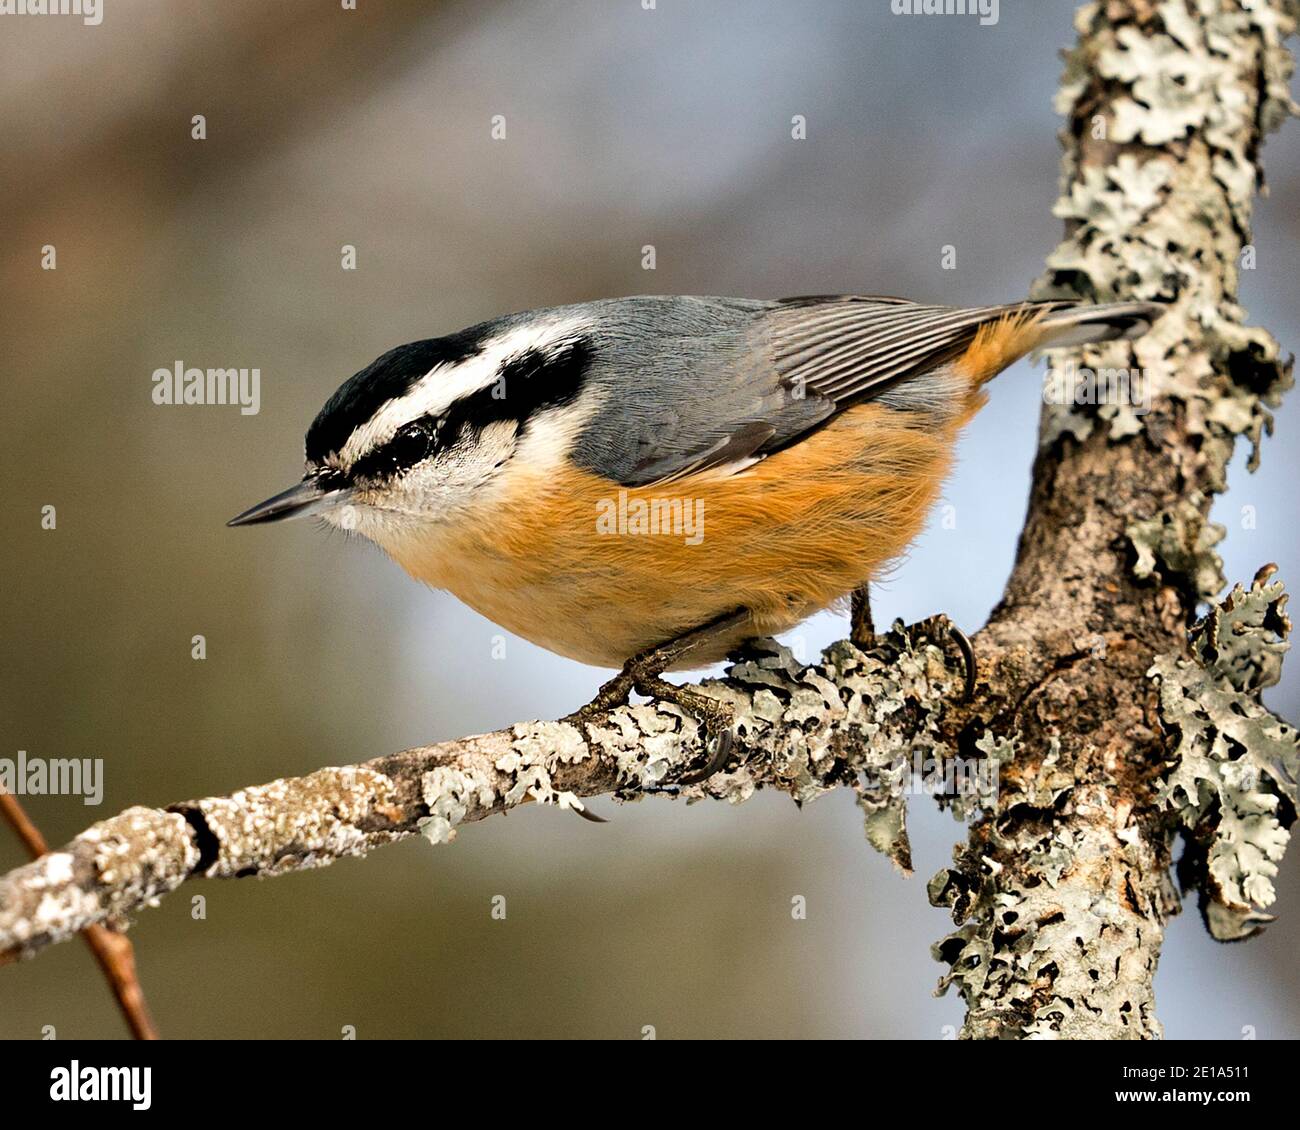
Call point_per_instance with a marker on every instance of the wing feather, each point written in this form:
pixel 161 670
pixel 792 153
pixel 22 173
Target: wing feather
pixel 720 384
pixel 861 346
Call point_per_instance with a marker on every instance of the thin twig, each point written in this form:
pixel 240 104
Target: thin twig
pixel 112 949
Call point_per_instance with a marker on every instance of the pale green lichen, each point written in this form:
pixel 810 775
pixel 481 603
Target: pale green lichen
pixel 879 691
pixel 1177 84
pixel 856 716
pixel 1179 543
pixel 519 768
pixel 1165 229
pixel 646 742
pixel 1052 939
pixel 853 718
pixel 1060 909
pixel 1038 954
pixel 978 791
pixel 1233 779
pixel 530 761
pixel 449 792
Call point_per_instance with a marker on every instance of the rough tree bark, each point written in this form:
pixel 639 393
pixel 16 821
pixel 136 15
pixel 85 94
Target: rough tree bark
pixel 1113 727
pixel 1064 887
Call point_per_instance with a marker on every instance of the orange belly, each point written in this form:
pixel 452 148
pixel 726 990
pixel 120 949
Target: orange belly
pixel 586 569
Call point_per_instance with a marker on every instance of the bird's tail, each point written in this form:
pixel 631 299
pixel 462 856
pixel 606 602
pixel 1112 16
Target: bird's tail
pixel 1086 325
pixel 1053 325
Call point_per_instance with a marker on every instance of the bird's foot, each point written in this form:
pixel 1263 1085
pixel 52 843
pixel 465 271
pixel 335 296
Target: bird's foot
pixel 643 673
pixel 862 628
pixel 937 628
pixel 611 695
pixel 940 629
pixel 714 717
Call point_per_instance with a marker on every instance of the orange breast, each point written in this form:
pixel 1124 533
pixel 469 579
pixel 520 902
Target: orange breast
pixel 578 565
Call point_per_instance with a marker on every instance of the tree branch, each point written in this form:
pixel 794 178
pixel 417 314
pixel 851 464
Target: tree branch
pixel 1064 888
pixel 851 719
pixel 112 948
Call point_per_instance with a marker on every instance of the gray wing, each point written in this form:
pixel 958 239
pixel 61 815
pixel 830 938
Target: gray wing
pixel 692 384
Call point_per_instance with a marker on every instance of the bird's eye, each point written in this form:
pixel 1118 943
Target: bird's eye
pixel 412 443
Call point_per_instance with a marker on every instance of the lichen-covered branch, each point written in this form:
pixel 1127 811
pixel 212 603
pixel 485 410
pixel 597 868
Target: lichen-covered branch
pixel 111 947
pixel 1124 731
pixel 852 719
pixel 1234 764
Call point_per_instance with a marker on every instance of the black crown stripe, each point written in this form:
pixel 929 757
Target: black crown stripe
pixel 533 382
pixel 386 378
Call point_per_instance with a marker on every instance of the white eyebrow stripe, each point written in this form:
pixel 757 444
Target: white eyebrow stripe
pixel 447 383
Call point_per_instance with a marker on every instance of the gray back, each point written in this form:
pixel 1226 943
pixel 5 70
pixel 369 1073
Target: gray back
pixel 688 383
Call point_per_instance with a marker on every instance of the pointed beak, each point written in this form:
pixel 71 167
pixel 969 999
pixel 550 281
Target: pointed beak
pixel 308 497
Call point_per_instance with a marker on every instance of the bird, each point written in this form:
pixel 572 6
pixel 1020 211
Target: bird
pixel 648 483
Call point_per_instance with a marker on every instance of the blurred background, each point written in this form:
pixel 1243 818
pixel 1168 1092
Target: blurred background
pixel 625 127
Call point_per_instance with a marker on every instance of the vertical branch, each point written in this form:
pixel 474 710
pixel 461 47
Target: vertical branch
pixel 1063 890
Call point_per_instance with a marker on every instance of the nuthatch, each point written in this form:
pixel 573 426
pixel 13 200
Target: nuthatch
pixel 775 454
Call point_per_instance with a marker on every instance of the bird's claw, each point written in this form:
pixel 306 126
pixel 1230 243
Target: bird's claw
pixel 940 628
pixel 587 814
pixel 717 746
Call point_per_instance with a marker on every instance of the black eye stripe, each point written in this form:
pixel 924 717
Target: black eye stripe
pixel 530 383
pixel 524 386
pixel 410 444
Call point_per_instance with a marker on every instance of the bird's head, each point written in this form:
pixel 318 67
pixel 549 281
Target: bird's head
pixel 421 432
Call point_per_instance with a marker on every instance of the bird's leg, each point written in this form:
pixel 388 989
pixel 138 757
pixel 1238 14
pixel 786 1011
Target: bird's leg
pixel 643 672
pixel 862 633
pixel 646 667
pixel 940 629
pixel 715 717
pixel 862 629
